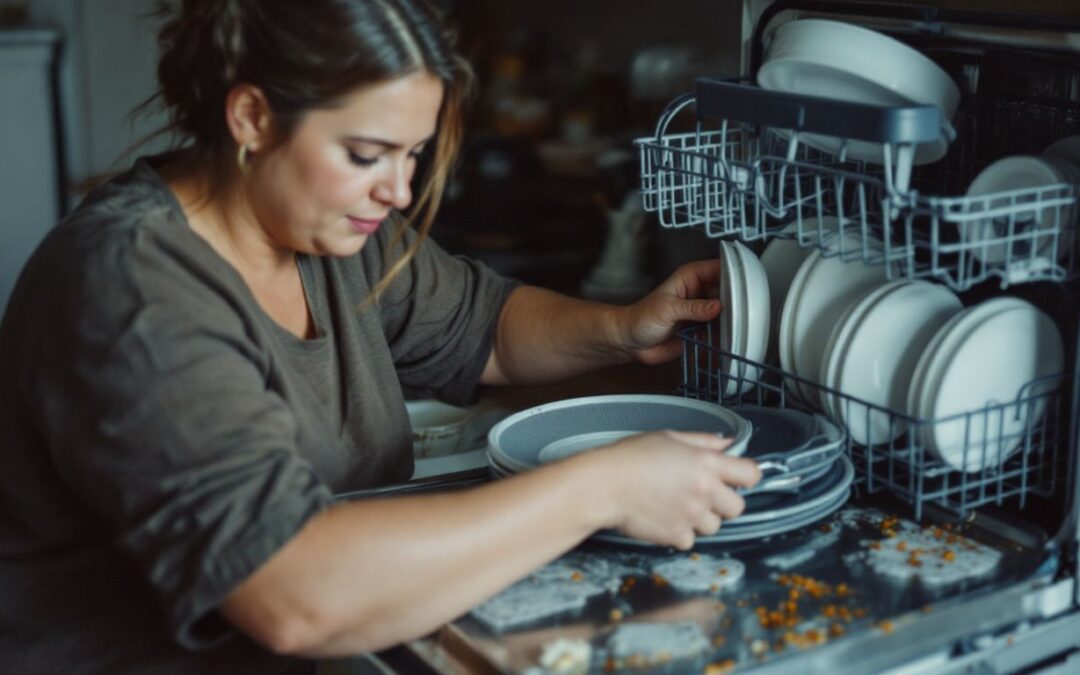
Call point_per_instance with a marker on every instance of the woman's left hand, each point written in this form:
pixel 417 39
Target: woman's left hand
pixel 690 294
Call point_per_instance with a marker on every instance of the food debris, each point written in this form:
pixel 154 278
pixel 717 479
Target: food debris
pixel 720 667
pixel 577 576
pixel 616 615
pixel 566 657
pixel 886 627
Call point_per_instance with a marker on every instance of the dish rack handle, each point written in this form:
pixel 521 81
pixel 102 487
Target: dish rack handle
pixel 740 100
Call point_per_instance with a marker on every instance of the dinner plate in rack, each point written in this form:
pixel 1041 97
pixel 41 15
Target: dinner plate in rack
pixel 756 314
pixel 1028 346
pixel 823 289
pixel 838 338
pixel 780 260
pixel 876 362
pixel 1015 238
pixel 732 318
pixel 516 442
pixel 940 345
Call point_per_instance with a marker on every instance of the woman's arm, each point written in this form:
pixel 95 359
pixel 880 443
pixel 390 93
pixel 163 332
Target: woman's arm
pixel 544 337
pixel 366 575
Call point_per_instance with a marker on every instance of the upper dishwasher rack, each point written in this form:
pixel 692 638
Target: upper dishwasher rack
pixel 744 171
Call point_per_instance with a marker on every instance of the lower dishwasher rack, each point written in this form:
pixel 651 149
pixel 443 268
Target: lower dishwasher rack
pixel 1034 455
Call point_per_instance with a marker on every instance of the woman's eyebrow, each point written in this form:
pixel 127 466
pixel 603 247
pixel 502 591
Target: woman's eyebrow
pixel 390 145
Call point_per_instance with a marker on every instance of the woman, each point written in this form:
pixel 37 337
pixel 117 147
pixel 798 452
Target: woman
pixel 215 342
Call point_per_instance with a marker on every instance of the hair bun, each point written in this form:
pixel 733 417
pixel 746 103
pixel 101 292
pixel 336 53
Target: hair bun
pixel 201 44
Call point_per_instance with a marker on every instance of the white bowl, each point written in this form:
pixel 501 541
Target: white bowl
pixel 837 60
pixel 876 361
pixel 1002 179
pixel 438 428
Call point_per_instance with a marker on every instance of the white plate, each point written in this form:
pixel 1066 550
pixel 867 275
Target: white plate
pixel 1029 346
pixel 831 356
pixel 821 292
pixel 733 317
pixel 573 445
pixel 877 360
pixel 942 343
pixel 515 443
pixel 1004 177
pixel 838 60
pixel 756 313
pixel 781 259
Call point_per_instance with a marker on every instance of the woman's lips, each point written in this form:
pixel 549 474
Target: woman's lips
pixel 364 225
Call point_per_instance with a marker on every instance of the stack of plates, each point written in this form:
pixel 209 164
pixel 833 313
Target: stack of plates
pixel 811 491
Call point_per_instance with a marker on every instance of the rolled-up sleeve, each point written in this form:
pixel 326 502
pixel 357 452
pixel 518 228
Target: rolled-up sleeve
pixel 440 317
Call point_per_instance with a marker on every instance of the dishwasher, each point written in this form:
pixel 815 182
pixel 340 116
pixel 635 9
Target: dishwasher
pixel 726 159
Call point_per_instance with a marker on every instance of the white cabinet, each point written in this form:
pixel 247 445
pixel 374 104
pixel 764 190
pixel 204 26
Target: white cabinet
pixel 30 173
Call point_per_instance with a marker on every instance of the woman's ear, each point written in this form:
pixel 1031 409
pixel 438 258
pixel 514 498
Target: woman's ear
pixel 247 112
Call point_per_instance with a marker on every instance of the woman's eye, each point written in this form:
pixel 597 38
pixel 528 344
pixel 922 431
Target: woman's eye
pixel 361 161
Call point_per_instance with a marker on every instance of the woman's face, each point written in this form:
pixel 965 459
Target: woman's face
pixel 328 188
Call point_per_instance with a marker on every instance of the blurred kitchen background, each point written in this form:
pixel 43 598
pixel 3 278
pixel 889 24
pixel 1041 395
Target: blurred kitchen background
pixel 545 188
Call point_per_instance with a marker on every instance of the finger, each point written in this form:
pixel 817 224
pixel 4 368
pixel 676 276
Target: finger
pixel 703 272
pixel 728 503
pixel 707 523
pixel 739 471
pixel 684 541
pixel 701 439
pixel 700 309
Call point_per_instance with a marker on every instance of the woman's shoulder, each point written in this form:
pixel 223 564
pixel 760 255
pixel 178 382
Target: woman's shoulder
pixel 127 241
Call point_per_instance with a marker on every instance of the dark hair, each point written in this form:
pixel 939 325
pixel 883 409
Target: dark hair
pixel 304 55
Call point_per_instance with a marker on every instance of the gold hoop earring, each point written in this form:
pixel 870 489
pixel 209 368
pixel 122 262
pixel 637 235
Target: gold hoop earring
pixel 241 158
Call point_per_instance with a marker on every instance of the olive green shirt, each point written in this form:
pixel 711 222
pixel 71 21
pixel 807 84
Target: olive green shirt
pixel 161 437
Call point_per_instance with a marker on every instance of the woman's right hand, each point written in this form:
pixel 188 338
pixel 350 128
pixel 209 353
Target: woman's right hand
pixel 666 487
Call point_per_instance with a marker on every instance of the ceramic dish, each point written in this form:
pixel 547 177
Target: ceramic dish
pixel 516 442
pixel 841 332
pixel 823 289
pixel 837 60
pixel 875 362
pixel 732 318
pixel 958 380
pixel 989 238
pixel 749 282
pixel 932 356
pixel 780 260
pixel 782 431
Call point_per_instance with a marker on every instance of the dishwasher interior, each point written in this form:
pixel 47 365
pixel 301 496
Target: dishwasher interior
pixel 928 568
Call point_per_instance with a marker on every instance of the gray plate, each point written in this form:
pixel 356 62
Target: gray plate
pixel 515 443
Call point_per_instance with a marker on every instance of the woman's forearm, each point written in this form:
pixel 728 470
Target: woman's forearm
pixel 366 575
pixel 544 337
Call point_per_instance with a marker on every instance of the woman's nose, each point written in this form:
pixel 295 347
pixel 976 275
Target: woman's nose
pixel 394 188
